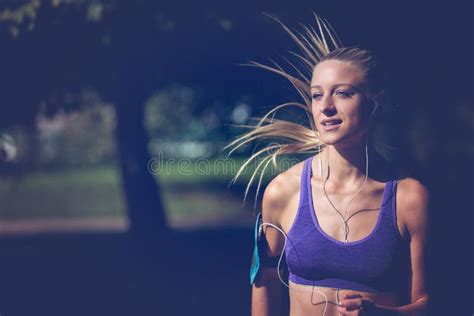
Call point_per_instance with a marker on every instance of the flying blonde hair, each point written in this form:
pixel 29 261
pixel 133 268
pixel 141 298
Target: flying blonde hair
pixel 315 45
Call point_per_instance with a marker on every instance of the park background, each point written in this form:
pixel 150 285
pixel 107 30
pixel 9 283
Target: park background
pixel 115 196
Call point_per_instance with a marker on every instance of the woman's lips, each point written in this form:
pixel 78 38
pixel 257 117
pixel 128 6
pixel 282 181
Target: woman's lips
pixel 331 125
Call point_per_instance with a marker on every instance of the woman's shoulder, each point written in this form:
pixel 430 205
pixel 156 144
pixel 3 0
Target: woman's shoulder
pixel 411 190
pixel 280 192
pixel 412 203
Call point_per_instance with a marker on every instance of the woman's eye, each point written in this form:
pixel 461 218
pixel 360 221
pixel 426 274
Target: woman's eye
pixel 316 96
pixel 344 94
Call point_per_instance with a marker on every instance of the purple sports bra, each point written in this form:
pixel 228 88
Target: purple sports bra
pixel 377 263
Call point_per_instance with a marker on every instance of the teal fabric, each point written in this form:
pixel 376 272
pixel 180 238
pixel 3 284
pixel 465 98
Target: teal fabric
pixel 255 257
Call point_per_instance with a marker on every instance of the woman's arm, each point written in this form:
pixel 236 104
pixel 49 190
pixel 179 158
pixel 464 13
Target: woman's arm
pixel 352 307
pixel 412 205
pixel 267 289
pixel 266 293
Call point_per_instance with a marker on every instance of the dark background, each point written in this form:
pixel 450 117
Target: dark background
pixel 125 51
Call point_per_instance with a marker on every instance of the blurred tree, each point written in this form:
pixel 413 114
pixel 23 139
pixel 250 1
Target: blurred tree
pixel 54 50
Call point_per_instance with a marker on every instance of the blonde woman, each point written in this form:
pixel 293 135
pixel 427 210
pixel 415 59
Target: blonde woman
pixel 351 228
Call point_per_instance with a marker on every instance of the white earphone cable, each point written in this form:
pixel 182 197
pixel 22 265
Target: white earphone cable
pixel 322 187
pixel 278 269
pixel 323 190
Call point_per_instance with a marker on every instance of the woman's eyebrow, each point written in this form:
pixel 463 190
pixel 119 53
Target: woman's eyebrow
pixel 338 85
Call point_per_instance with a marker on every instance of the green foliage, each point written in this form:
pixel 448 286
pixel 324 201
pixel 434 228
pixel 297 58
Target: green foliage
pixel 82 136
pixel 170 109
pixel 96 192
pixel 23 16
pixel 178 116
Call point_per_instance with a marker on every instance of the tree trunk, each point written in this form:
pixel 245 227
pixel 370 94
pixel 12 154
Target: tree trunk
pixel 145 207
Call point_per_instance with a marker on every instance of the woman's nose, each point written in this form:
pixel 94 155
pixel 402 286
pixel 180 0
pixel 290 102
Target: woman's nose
pixel 327 107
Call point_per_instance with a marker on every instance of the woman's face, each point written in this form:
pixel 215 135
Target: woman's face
pixel 338 103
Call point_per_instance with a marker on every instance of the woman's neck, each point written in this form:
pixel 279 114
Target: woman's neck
pixel 348 165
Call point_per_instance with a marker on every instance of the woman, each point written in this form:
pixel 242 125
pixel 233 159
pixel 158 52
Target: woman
pixel 352 228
